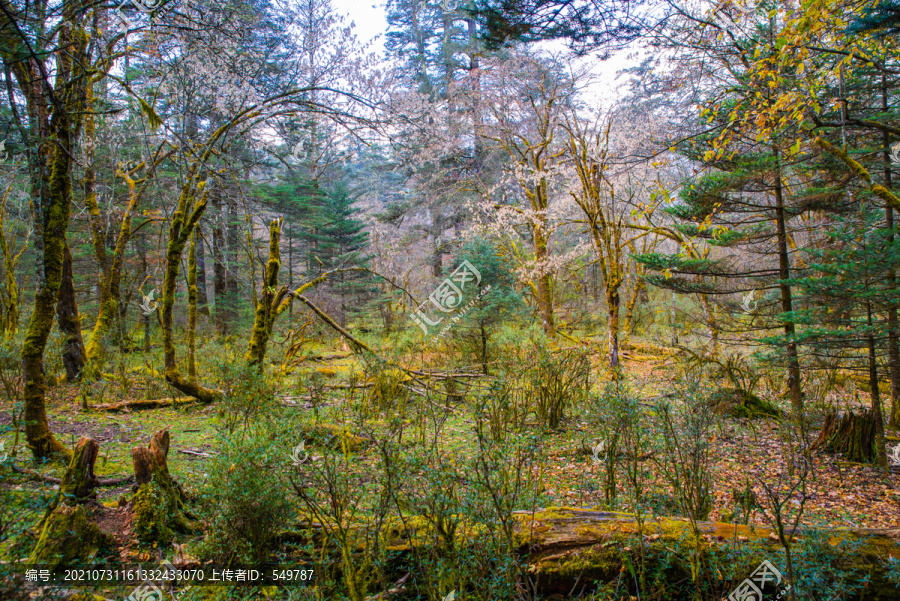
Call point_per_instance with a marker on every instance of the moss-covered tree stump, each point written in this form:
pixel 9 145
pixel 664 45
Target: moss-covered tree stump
pixel 68 535
pixel 158 503
pixel 850 434
pixel 735 402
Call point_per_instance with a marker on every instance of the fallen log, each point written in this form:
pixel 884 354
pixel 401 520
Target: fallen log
pixel 100 482
pixel 573 549
pixel 138 404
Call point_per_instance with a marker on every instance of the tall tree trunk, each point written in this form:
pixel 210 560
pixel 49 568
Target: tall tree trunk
pixel 51 222
pixel 73 356
pixel 876 394
pixel 219 287
pixel 232 245
pixel 784 273
pixel 893 325
pixel 202 297
pixel 268 301
pixel 637 290
pixel 544 284
pixel 10 310
pixel 192 307
pixel 612 306
pixel 712 323
pixel 180 230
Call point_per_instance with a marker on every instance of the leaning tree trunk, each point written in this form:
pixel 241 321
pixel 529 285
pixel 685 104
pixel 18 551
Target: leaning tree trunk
pixel 189 210
pixel 158 504
pixel 68 535
pixel 73 355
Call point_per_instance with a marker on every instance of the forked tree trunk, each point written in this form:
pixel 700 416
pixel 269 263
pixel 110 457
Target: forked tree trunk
pixel 268 302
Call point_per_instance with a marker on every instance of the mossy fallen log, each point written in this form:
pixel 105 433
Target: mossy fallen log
pixel 139 404
pixel 568 549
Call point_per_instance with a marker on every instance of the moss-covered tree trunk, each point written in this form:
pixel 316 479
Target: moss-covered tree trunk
pixel 73 355
pixel 180 229
pixel 10 312
pixel 52 187
pixel 269 299
pixel 110 276
pixel 192 308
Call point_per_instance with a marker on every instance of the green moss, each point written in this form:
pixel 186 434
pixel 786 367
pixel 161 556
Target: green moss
pixel 741 403
pixel 151 508
pixel 68 537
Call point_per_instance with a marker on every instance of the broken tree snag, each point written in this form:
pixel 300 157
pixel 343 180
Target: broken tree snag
pixel 68 534
pixel 852 435
pixel 158 503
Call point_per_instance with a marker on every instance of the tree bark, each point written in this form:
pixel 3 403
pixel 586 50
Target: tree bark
pixel 893 325
pixel 268 302
pixel 192 307
pixel 220 291
pixel 784 273
pixel 73 355
pixel 158 503
pixel 202 297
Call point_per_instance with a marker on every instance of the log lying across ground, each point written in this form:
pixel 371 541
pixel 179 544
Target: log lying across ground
pixel 138 404
pixel 566 545
pixel 570 549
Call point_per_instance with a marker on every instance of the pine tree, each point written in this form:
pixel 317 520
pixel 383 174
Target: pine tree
pixel 339 240
pixel 846 297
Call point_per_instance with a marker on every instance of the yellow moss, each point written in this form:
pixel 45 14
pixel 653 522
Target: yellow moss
pixel 326 371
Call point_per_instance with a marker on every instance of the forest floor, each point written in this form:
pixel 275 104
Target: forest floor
pixel 744 452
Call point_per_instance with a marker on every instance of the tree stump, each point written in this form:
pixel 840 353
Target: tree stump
pixel 158 502
pixel 850 434
pixel 68 535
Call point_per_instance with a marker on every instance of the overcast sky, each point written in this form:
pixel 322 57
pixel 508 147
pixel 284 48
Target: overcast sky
pixel 368 16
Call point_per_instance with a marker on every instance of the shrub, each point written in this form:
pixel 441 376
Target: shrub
pixel 245 500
